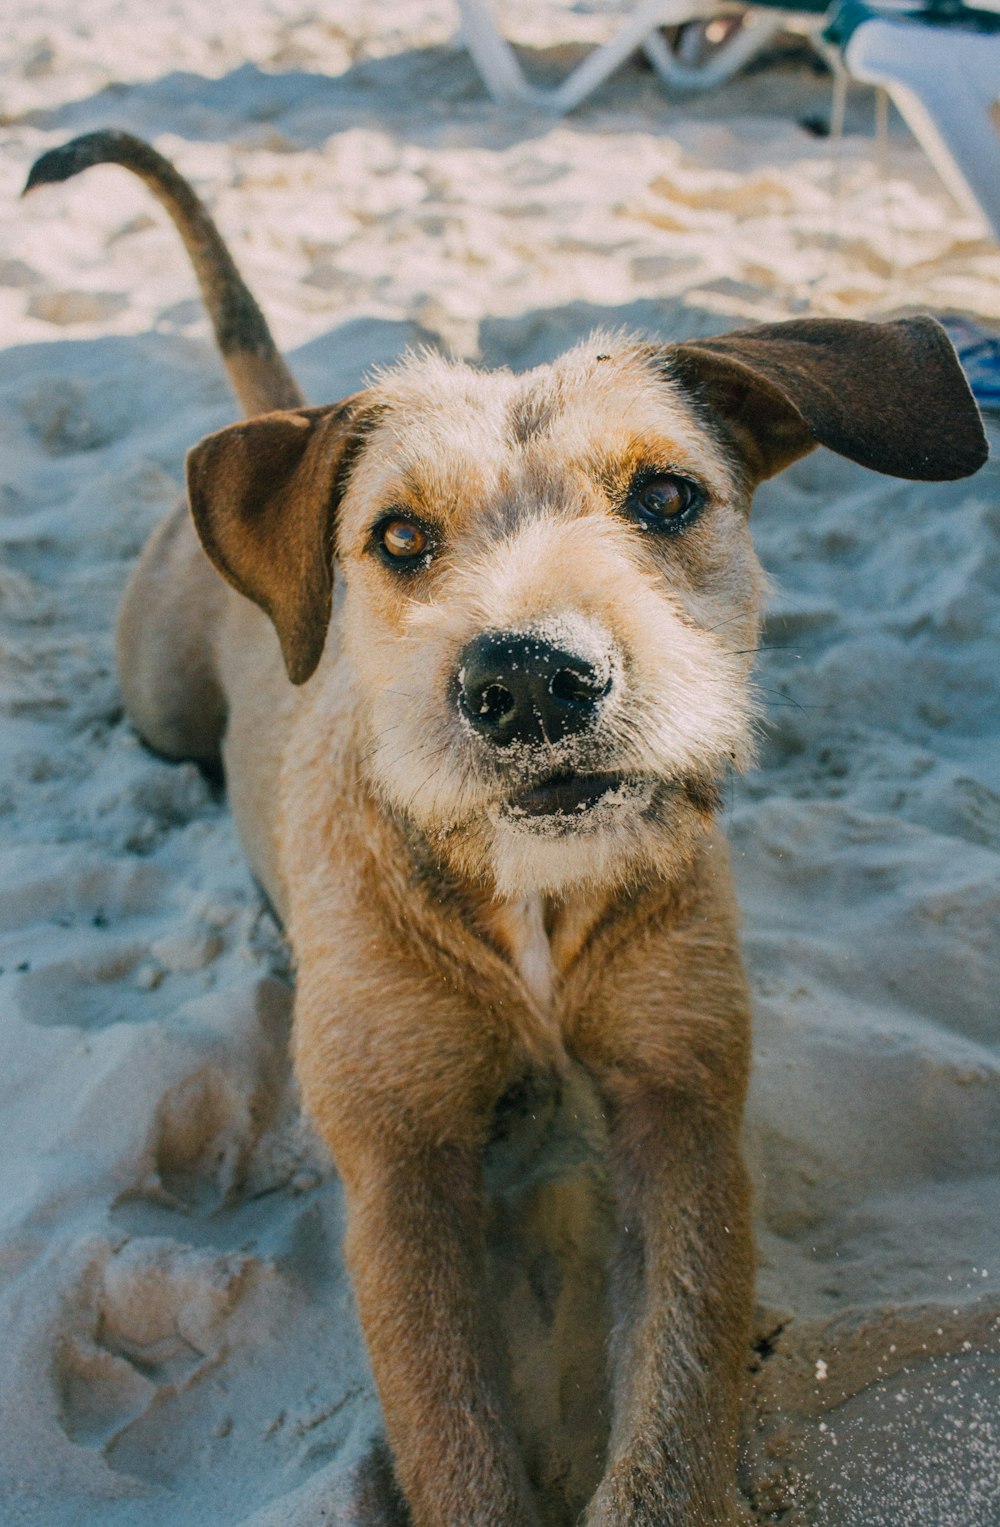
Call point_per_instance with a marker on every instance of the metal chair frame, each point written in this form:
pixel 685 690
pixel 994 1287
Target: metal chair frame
pixel 947 93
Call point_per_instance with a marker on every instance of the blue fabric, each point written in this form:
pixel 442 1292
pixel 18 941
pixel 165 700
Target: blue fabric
pixel 846 18
pixel 979 352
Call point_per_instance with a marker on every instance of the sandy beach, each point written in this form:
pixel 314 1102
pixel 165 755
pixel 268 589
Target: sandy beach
pixel 181 1348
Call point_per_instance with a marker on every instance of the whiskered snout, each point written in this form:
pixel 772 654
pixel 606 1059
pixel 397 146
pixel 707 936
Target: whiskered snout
pixel 519 687
pixel 553 685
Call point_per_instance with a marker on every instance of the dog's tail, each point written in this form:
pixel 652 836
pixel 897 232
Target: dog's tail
pixel 259 376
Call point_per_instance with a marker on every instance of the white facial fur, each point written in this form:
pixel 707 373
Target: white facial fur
pixel 529 543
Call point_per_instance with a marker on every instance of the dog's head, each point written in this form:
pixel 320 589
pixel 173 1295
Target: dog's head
pixel 551 601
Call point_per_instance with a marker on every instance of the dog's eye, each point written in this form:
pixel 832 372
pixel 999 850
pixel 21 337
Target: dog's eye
pixel 665 501
pixel 403 540
pixel 404 544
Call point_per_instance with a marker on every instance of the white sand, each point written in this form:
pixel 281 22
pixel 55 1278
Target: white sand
pixel 179 1343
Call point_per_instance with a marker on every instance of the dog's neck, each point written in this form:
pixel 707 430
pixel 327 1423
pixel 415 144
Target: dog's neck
pixel 520 929
pixel 542 936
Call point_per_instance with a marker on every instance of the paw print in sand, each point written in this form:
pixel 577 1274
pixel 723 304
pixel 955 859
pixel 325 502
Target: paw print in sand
pixel 154 1318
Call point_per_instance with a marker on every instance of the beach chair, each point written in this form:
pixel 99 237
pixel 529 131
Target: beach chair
pixel 941 69
pixel 939 64
pixel 506 81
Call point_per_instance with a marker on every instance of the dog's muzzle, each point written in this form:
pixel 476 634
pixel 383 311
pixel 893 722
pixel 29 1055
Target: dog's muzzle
pixel 514 687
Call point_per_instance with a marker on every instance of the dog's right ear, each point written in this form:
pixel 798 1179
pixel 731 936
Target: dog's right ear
pixel 889 395
pixel 264 496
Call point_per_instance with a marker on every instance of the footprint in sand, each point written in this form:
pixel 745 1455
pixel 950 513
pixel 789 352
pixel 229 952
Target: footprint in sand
pixel 203 1137
pixel 116 983
pixel 47 883
pixel 154 1317
pixel 109 980
pixel 65 416
pixel 65 308
pixel 57 947
pixel 227 1130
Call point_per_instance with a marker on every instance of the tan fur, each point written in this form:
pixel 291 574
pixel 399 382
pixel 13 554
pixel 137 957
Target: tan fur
pixel 439 956
pixel 447 943
pixel 444 948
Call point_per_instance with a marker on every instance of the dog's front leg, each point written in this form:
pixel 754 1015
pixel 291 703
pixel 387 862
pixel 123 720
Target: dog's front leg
pixel 665 1032
pixel 405 1104
pixel 682 1298
pixel 415 1249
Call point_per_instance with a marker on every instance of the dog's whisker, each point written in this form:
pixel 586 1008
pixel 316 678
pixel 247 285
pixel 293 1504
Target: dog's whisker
pixel 767 647
pixel 380 742
pixel 422 785
pixel 778 698
pixel 730 620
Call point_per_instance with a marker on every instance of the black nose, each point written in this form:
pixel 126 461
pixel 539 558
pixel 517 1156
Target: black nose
pixel 518 688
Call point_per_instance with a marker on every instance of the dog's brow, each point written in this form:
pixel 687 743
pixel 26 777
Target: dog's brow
pixel 529 415
pixel 412 484
pixel 613 470
pixel 438 488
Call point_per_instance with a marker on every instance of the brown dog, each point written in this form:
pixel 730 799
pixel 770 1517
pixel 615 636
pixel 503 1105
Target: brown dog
pixel 476 775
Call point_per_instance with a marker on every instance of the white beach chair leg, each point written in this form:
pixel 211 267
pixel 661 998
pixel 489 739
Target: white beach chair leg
pixel 946 83
pixel 756 32
pixel 596 67
pixel 506 81
pixel 492 54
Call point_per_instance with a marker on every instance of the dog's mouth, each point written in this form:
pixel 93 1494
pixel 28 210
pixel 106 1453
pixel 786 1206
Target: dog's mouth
pixel 571 795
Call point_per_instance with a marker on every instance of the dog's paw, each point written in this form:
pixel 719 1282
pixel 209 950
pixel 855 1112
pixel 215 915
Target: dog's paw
pixel 631 1498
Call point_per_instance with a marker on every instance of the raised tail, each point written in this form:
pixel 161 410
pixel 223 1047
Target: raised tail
pixel 258 375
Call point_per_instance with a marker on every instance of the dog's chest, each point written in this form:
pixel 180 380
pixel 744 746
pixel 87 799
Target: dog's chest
pixel 519 927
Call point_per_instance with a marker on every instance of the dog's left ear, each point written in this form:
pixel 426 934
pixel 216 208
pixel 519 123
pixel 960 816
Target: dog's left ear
pixel 891 396
pixel 263 496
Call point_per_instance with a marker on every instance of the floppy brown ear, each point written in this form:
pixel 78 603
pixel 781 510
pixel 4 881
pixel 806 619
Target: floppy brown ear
pixel 263 496
pixel 891 396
